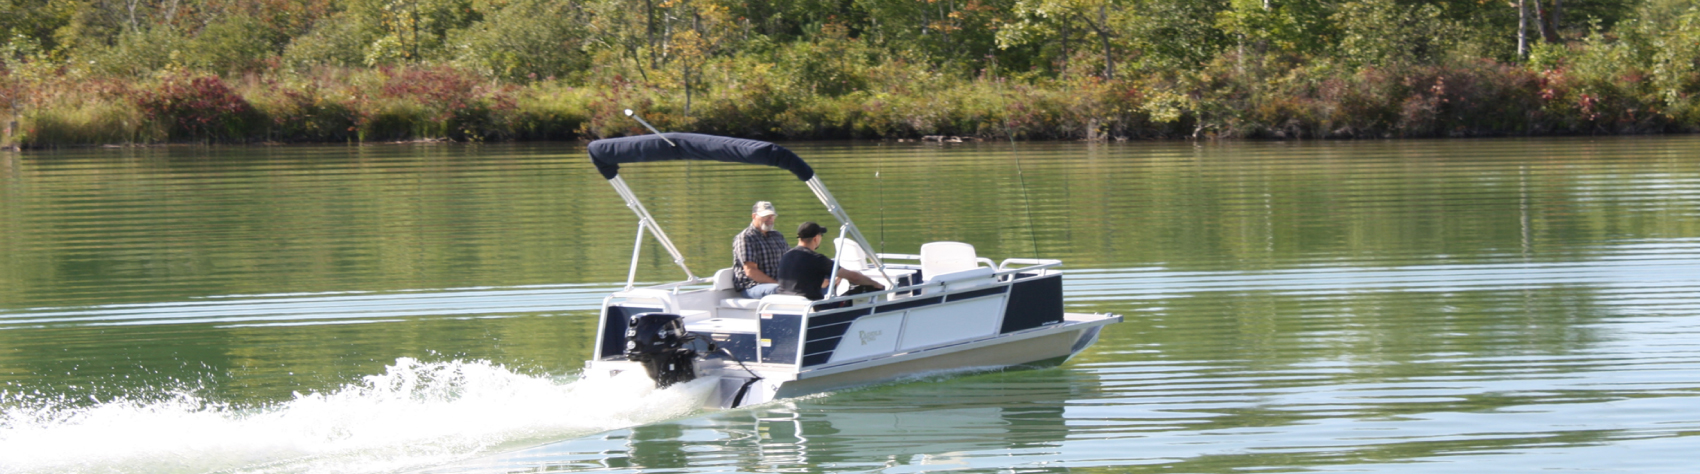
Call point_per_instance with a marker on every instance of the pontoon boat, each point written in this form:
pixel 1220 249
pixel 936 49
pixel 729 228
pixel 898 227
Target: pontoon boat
pixel 943 309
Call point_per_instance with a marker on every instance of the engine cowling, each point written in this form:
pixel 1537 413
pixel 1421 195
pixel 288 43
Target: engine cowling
pixel 660 342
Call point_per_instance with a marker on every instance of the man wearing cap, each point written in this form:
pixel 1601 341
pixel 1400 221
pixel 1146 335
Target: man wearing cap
pixel 755 253
pixel 804 272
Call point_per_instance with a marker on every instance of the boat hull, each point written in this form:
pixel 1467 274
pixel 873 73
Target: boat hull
pixel 757 383
pixel 1040 349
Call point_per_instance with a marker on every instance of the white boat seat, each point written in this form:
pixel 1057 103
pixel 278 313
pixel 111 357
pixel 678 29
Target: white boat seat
pixel 939 258
pixel 850 255
pixel 722 279
pixel 740 303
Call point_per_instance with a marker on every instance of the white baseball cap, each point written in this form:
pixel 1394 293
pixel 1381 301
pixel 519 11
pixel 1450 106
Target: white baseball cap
pixel 763 209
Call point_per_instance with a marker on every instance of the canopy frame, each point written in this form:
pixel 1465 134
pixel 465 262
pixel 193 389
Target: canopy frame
pixel 608 154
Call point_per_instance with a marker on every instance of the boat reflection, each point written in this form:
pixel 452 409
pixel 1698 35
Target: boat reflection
pixel 987 420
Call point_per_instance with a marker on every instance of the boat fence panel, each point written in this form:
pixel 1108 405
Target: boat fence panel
pixel 869 336
pixel 779 337
pixel 1033 302
pixel 614 322
pixel 951 322
pixel 824 332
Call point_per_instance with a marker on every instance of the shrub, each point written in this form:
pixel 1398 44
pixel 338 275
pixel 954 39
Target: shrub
pixel 199 108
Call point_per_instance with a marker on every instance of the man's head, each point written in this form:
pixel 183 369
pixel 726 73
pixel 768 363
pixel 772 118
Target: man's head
pixel 809 235
pixel 762 216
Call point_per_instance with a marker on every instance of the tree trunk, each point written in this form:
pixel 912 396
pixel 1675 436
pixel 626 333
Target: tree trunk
pixel 1103 34
pixel 1543 16
pixel 649 29
pixel 1065 33
pixel 1522 29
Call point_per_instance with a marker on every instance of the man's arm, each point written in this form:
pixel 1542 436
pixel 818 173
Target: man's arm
pixel 741 252
pixel 858 278
pixel 755 273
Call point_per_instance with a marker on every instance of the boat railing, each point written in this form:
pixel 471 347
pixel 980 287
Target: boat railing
pixel 1002 269
pixel 979 260
pixel 921 288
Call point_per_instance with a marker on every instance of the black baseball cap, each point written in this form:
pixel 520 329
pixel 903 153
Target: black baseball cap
pixel 809 230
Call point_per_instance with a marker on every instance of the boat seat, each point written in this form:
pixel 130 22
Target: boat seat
pixel 939 258
pixel 722 279
pixel 850 255
pixel 740 303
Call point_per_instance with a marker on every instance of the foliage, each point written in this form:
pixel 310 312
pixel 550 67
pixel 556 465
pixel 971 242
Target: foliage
pixel 334 70
pixel 526 40
pixel 1383 32
pixel 196 108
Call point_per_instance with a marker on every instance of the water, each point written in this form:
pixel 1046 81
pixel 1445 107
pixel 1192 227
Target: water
pixel 1402 306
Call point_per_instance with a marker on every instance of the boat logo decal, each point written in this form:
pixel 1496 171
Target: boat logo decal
pixel 868 336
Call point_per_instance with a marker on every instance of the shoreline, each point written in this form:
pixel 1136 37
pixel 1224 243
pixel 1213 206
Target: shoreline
pixel 964 141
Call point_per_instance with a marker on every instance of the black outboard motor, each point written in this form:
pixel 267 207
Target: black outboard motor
pixel 659 341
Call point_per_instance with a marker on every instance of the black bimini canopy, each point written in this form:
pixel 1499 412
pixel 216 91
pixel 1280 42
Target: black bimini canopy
pixel 608 154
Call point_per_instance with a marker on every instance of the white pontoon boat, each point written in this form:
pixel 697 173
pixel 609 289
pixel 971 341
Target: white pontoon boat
pixel 943 309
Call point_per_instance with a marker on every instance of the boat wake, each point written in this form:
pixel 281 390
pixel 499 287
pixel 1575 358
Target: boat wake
pixel 415 414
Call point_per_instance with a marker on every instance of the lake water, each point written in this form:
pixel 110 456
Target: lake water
pixel 1508 305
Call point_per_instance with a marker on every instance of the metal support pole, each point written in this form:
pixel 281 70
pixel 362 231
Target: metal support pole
pixel 637 247
pixel 850 227
pixel 646 220
pixel 837 258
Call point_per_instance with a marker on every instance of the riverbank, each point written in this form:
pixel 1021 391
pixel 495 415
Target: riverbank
pixel 1224 100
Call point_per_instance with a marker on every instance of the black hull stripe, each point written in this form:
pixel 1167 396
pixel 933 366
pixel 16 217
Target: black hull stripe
pixel 835 317
pixel 908 304
pixel 816 359
pixel 830 330
pixel 821 346
pixel 977 293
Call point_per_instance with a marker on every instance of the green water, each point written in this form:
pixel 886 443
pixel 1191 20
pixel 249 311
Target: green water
pixel 1392 306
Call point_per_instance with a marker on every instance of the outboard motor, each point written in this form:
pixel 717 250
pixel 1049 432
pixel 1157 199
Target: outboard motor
pixel 659 341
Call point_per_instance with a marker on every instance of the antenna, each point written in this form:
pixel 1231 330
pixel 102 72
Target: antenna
pixel 651 127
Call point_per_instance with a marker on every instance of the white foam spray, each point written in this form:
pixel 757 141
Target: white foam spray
pixel 415 414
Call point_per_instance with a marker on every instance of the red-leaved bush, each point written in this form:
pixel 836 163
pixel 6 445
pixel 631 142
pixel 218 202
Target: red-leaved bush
pixel 197 108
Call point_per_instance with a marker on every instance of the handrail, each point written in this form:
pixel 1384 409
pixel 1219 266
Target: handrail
pixel 1030 261
pixel 933 283
pixel 670 286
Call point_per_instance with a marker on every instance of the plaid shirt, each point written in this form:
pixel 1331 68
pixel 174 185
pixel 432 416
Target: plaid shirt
pixel 752 245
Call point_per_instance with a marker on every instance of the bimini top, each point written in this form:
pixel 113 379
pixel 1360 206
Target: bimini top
pixel 608 154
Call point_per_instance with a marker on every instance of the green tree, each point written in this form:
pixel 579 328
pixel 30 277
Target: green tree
pixel 414 30
pixel 526 39
pixel 1385 32
pixel 1104 20
pixel 34 22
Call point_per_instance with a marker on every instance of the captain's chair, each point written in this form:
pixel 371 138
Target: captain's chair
pixel 938 258
pixel 850 255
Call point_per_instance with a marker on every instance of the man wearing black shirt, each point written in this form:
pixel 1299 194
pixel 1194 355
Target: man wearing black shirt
pixel 804 272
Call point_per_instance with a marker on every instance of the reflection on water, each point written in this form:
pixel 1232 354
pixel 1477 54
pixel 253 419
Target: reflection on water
pixel 1411 306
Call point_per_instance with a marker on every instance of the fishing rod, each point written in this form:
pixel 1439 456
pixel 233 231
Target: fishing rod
pixel 1025 202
